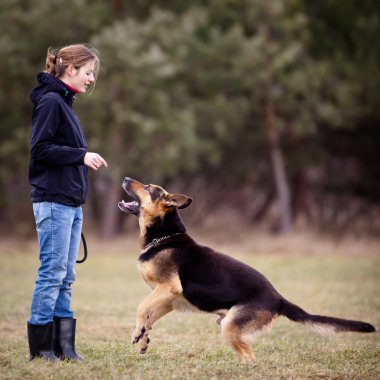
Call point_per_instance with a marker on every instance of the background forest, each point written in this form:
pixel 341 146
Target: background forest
pixel 266 112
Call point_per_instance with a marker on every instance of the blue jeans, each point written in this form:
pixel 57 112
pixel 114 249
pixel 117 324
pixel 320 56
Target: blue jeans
pixel 59 232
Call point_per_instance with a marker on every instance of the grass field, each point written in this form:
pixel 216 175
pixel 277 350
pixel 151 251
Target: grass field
pixel 189 346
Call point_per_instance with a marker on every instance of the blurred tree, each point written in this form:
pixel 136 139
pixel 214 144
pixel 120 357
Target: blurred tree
pixel 228 87
pixel 344 33
pixel 144 126
pixel 234 92
pixel 255 86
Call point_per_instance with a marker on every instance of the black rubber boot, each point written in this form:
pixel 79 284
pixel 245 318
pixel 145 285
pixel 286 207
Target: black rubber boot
pixel 40 339
pixel 64 339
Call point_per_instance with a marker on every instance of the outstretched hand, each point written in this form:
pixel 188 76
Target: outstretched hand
pixel 94 161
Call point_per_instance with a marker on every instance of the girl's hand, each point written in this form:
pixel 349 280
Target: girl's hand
pixel 94 161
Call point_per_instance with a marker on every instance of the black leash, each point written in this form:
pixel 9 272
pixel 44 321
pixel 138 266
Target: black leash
pixel 85 250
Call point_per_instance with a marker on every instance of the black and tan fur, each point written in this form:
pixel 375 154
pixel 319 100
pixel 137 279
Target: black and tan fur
pixel 184 275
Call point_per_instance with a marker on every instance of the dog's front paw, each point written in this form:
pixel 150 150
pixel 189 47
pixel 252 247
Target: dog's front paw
pixel 144 343
pixel 138 333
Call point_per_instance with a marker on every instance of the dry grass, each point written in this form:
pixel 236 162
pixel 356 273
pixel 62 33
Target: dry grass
pixel 189 346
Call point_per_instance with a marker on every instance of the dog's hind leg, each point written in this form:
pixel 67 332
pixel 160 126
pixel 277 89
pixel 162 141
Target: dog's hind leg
pixel 240 326
pixel 240 342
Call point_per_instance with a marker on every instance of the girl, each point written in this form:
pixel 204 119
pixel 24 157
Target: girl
pixel 58 176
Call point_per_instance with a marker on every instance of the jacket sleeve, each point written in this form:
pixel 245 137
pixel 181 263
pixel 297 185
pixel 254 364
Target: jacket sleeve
pixel 46 120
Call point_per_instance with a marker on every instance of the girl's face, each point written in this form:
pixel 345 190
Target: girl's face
pixel 81 78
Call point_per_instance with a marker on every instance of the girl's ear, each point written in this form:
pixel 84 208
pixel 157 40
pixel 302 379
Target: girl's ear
pixel 70 70
pixel 178 200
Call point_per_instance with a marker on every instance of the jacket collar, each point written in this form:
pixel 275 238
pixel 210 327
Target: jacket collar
pixel 49 83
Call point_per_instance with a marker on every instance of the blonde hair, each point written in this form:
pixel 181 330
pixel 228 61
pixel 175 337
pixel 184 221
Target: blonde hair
pixel 57 60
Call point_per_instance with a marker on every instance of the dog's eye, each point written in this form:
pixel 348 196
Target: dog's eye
pixel 155 193
pixel 146 187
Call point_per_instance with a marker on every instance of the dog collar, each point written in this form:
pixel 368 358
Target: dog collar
pixel 156 241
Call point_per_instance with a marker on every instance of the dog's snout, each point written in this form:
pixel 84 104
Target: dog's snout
pixel 125 184
pixel 130 184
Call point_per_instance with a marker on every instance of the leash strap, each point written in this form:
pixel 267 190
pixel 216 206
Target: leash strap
pixel 85 250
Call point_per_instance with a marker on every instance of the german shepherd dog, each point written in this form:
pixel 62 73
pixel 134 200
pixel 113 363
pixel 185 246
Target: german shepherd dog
pixel 184 275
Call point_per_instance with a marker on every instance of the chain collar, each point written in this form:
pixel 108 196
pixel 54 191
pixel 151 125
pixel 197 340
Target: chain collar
pixel 156 241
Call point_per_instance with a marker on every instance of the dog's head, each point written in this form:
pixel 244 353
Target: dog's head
pixel 150 201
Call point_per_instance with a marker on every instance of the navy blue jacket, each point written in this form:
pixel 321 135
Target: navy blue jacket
pixel 57 145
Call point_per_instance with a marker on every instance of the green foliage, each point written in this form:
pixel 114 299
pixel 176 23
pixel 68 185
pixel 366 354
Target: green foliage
pixel 184 86
pixel 144 124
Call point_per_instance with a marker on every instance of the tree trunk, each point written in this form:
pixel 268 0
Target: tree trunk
pixel 109 221
pixel 279 172
pixel 110 191
pixel 117 9
pixel 259 213
pixel 299 187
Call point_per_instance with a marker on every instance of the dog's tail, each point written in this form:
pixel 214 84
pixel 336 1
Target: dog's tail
pixel 322 324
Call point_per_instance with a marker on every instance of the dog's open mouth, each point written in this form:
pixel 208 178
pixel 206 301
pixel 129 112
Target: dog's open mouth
pixel 130 207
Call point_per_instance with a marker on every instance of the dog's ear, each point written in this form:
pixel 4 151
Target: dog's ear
pixel 178 200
